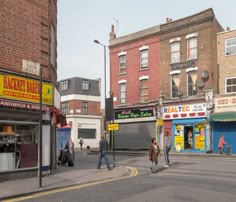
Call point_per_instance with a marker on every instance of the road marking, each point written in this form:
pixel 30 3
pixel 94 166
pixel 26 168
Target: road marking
pixel 134 172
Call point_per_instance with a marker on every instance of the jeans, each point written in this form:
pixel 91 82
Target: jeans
pixel 167 150
pixel 103 155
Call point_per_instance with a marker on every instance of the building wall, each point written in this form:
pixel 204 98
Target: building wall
pixel 133 72
pixel 25 34
pixel 227 63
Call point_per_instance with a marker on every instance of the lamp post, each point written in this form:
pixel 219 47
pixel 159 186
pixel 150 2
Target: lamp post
pixel 96 41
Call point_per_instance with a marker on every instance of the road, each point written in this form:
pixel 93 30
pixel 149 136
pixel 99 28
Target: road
pixel 189 179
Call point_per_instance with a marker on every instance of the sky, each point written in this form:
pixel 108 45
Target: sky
pixel 80 22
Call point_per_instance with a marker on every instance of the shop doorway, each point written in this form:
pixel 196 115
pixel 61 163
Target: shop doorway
pixel 188 137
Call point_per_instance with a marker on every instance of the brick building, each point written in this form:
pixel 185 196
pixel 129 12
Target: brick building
pixel 164 69
pixel 80 101
pixel 224 117
pixel 28 43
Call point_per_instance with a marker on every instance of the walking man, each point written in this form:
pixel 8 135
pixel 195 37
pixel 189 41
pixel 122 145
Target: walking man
pixel 221 144
pixel 167 149
pixel 103 149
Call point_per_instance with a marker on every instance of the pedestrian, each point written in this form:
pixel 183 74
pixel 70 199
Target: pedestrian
pixel 190 139
pixel 81 142
pixel 154 152
pixel 167 148
pixel 221 144
pixel 70 152
pixel 103 150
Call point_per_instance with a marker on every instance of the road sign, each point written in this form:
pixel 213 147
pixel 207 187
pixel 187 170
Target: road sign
pixel 113 126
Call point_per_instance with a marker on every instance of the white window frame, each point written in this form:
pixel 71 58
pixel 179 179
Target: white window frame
pixel 84 108
pixel 175 52
pixel 188 86
pixel 65 107
pixel 232 85
pixel 192 48
pixel 143 57
pixel 144 97
pixel 85 84
pixel 122 92
pixel 231 46
pixel 64 85
pixel 122 63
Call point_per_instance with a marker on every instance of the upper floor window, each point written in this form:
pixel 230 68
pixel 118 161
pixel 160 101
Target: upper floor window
pixel 143 57
pixel 85 85
pixel 144 90
pixel 53 47
pixel 65 108
pixel 175 52
pixel 174 89
pixel 64 85
pixel 192 90
pixel 122 62
pixel 84 107
pixel 192 48
pixel 230 46
pixel 122 93
pixel 230 85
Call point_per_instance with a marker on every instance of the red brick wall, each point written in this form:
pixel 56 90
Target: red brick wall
pixel 24 34
pixel 133 71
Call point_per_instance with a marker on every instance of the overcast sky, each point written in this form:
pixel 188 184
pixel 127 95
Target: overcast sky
pixel 80 22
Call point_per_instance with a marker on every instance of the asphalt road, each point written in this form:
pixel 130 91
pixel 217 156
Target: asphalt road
pixel 189 179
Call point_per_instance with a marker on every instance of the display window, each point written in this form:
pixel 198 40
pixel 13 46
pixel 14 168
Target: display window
pixel 18 145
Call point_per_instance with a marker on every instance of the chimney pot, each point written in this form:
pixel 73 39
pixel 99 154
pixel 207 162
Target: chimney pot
pixel 227 28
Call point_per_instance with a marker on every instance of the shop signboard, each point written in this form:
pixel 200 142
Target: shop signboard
pixel 184 111
pixel 225 104
pixel 19 88
pixel 135 113
pixel 113 126
pixel 179 137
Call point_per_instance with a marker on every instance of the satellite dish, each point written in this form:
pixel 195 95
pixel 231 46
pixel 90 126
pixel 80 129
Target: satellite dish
pixel 200 84
pixel 205 76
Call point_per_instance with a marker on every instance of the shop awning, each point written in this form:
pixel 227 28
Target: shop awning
pixel 223 117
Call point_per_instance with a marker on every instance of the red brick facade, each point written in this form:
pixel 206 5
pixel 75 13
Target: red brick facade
pixel 25 34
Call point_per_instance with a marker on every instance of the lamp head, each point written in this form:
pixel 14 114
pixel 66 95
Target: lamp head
pixel 96 41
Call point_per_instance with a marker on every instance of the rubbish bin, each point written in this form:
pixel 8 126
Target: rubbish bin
pixel 228 150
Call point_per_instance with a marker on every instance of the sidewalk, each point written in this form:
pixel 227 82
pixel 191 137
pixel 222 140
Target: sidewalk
pixel 67 176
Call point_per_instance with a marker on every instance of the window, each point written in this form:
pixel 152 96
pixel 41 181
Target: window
pixel 122 93
pixel 175 52
pixel 84 108
pixel 144 90
pixel 122 63
pixel 53 47
pixel 192 48
pixel 85 85
pixel 192 90
pixel 86 133
pixel 64 85
pixel 65 108
pixel 144 59
pixel 230 46
pixel 174 88
pixel 230 85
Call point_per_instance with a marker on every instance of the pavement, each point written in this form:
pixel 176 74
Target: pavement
pixel 65 176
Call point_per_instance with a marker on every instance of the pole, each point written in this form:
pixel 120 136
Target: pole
pixel 105 88
pixel 40 129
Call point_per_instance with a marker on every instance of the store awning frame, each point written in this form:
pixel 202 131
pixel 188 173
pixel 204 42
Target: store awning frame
pixel 223 117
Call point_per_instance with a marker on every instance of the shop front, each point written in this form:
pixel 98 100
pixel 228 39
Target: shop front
pixel 137 126
pixel 19 125
pixel 188 126
pixel 223 122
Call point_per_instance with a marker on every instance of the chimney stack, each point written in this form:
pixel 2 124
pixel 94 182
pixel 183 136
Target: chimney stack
pixel 168 20
pixel 228 28
pixel 112 33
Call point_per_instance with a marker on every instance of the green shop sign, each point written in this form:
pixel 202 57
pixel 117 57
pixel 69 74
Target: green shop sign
pixel 134 113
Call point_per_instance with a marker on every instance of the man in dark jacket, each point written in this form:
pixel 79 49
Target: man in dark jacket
pixel 103 149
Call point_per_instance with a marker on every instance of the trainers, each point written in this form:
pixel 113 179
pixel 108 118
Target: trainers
pixel 166 166
pixel 109 168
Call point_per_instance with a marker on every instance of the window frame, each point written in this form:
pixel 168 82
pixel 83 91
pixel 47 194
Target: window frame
pixel 64 85
pixel 174 89
pixel 144 90
pixel 122 64
pixel 231 85
pixel 190 55
pixel 85 108
pixel 65 107
pixel 85 84
pixel 122 92
pixel 190 90
pixel 91 132
pixel 230 46
pixel 143 65
pixel 174 51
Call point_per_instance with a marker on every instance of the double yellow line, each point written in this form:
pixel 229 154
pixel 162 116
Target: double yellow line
pixel 134 172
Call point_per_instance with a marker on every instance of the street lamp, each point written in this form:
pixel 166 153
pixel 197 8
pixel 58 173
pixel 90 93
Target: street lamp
pixel 96 41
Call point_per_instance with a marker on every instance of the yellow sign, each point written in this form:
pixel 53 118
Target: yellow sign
pixel 24 89
pixel 113 126
pixel 179 140
pixel 200 142
pixel 160 122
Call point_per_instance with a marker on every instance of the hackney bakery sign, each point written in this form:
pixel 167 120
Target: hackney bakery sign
pixel 183 65
pixel 135 113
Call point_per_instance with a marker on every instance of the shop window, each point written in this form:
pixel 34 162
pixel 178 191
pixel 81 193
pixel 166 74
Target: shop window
pixel 175 52
pixel 86 133
pixel 230 85
pixel 230 46
pixel 144 90
pixel 65 108
pixel 122 93
pixel 84 107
